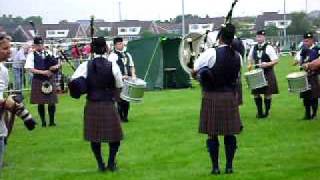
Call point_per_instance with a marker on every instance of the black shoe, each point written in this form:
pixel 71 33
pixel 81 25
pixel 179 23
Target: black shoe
pixel 260 116
pixel 125 120
pixel 112 167
pixel 215 171
pixel 44 124
pixel 102 167
pixel 307 118
pixel 52 124
pixel 229 171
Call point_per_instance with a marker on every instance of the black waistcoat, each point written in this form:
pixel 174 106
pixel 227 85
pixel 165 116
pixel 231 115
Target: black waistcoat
pixel 100 80
pixel 124 68
pixel 43 62
pixel 225 71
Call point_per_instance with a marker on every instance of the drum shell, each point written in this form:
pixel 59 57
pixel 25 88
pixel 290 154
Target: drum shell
pixel 298 84
pixel 133 91
pixel 255 80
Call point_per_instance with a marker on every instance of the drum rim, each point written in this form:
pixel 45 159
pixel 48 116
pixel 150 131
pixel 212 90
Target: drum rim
pixel 301 73
pixel 141 82
pixel 254 70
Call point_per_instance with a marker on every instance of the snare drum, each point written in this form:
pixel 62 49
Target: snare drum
pixel 298 82
pixel 255 79
pixel 133 90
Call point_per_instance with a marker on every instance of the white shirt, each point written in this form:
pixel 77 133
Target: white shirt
pixel 82 70
pixel 113 57
pixel 29 61
pixel 270 51
pixel 208 58
pixel 4 80
pixel 19 59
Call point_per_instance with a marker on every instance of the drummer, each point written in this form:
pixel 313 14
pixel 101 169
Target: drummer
pixel 126 65
pixel 307 58
pixel 264 56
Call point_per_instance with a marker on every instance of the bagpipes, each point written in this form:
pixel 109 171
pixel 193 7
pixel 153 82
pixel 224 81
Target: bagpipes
pixel 11 107
pixel 204 74
pixel 193 44
pixel 46 87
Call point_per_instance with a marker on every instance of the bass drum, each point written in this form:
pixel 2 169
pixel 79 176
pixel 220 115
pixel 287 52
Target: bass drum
pixel 192 45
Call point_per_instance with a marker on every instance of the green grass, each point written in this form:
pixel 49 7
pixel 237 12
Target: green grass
pixel 162 141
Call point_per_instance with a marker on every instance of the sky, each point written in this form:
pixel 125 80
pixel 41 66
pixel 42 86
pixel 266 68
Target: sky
pixel 53 11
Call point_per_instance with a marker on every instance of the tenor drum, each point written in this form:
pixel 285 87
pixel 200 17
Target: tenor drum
pixel 133 90
pixel 255 79
pixel 298 82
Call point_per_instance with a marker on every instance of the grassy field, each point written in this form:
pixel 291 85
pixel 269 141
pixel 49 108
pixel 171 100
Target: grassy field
pixel 162 141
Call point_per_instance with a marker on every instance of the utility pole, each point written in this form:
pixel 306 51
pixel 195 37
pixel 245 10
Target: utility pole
pixel 120 17
pixel 183 22
pixel 306 6
pixel 285 24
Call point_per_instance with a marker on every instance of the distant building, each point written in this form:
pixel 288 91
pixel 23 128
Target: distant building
pixel 272 19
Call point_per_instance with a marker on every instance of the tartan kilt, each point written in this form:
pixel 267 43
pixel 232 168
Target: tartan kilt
pixel 272 87
pixel 315 88
pixel 37 97
pixel 239 91
pixel 101 122
pixel 219 114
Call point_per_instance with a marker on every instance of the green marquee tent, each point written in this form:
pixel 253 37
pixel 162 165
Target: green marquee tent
pixel 156 61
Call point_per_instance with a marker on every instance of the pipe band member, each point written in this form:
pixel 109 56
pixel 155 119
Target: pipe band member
pixel 126 65
pixel 43 66
pixel 308 55
pixel 101 120
pixel 219 70
pixel 263 55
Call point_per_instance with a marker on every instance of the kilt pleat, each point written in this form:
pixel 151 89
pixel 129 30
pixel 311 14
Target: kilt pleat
pixel 37 97
pixel 219 114
pixel 314 92
pixel 272 87
pixel 101 122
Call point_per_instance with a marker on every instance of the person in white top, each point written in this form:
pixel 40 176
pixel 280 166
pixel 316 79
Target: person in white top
pixel 264 56
pixel 4 79
pixel 18 63
pixel 218 69
pixel 9 103
pixel 103 81
pixel 43 66
pixel 126 65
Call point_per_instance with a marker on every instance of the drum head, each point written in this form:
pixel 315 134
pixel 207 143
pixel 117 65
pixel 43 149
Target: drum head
pixel 136 82
pixel 255 71
pixel 296 74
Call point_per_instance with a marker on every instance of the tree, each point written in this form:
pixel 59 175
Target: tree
pixel 300 24
pixel 36 19
pixel 271 30
pixel 146 33
pixel 178 19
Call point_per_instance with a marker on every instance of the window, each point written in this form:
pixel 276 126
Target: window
pixel 194 26
pixel 51 32
pixel 132 29
pixel 206 26
pixel 61 32
pixel 123 30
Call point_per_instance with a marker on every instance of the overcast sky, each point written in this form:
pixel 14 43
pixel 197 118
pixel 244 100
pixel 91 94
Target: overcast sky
pixel 54 10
